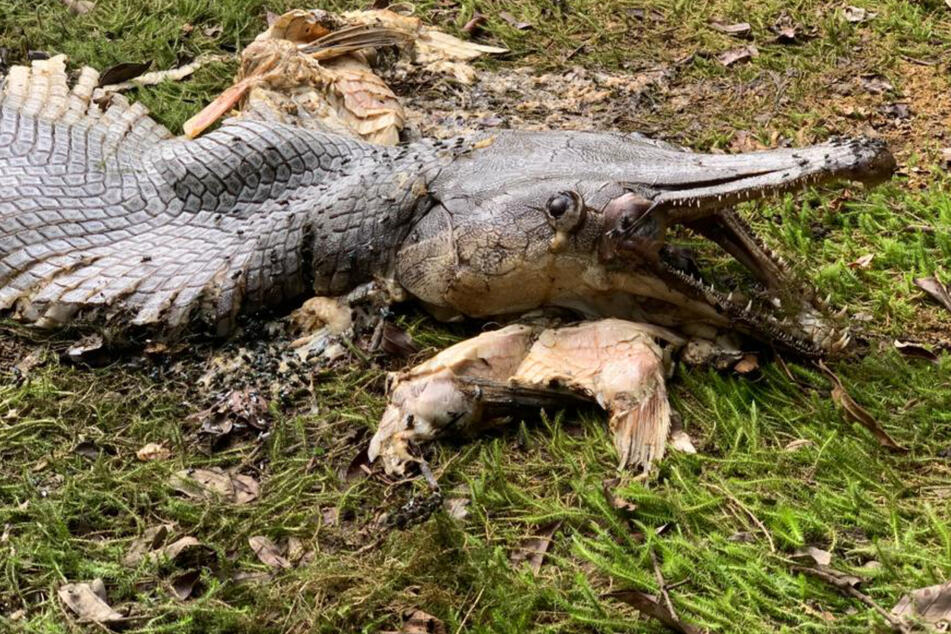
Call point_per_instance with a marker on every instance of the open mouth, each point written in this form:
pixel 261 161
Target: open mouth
pixel 698 194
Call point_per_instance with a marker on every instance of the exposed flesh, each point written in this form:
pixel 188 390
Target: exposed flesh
pixel 612 362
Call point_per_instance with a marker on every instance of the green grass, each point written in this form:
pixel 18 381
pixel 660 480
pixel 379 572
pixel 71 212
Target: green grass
pixel 69 516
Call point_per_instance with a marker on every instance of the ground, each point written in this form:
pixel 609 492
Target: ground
pixel 779 466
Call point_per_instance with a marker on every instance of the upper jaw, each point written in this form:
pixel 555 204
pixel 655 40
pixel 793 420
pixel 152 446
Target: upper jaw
pixel 705 182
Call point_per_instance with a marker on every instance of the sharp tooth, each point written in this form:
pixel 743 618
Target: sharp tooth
pixel 749 306
pixel 729 296
pixel 828 299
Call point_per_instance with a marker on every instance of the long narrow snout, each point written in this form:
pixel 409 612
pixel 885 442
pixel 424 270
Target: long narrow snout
pixel 710 181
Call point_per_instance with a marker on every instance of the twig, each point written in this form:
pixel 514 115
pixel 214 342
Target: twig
pixel 662 585
pixel 462 624
pixel 762 527
pixel 844 586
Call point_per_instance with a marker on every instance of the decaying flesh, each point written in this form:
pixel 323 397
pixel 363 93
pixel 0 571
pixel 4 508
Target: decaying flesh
pixel 613 362
pixel 314 69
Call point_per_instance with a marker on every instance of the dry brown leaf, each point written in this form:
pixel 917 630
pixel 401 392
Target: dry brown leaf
pixel 735 55
pixel 797 444
pixel 153 451
pixel 512 21
pixel 123 71
pixel 534 548
pixel 186 552
pixel 88 602
pixel 858 14
pixel 396 342
pixel 680 441
pixel 268 552
pixel 862 262
pixel 183 585
pixel 214 483
pixel 915 350
pixel 875 84
pixel 937 289
pixel 419 622
pixel 79 7
pixel 819 556
pixel 650 606
pixel 152 539
pixel 617 502
pixel 740 29
pixel 857 413
pixel 931 605
pixel 457 508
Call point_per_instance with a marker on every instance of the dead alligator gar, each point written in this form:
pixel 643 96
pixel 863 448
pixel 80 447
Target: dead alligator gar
pixel 106 220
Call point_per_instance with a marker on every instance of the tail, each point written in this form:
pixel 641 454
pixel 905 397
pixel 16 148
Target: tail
pixel 107 220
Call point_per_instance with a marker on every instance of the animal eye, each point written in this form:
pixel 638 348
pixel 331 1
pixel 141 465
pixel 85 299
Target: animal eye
pixel 565 211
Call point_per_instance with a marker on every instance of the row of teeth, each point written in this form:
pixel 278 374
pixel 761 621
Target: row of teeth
pixel 726 304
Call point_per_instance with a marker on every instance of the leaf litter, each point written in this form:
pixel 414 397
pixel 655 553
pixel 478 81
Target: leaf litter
pixel 88 601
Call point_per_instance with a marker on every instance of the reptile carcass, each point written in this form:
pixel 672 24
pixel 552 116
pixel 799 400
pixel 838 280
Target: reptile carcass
pixel 107 220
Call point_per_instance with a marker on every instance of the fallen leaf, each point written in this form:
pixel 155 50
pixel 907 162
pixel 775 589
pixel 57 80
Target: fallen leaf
pixel 518 24
pixel 419 622
pixel 183 585
pixel 936 289
pixel 86 350
pixel 88 602
pixel 740 29
pixel 396 342
pixel 87 449
pixel 153 451
pixel 186 552
pixel 932 605
pixel 214 483
pixel 475 24
pixel 457 508
pixel 915 350
pixel 268 552
pixel 32 359
pixel 237 411
pixel 609 487
pixel 212 31
pixel 79 7
pixel 534 548
pixel 330 516
pixel 786 30
pixel 738 55
pixel 650 606
pixel 358 468
pixel 819 556
pixel 680 441
pixel 123 72
pixel 152 539
pixel 862 262
pixel 897 110
pixel 797 444
pixel 295 551
pixel 858 14
pixel 875 84
pixel 857 413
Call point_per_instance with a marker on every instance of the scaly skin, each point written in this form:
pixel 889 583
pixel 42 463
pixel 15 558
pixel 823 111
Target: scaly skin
pixel 106 219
